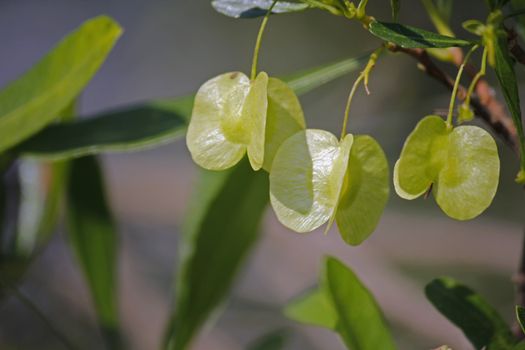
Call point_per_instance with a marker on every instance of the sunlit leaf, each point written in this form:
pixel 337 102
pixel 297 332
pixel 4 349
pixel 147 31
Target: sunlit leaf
pixel 306 178
pixel 365 191
pixel 222 226
pixel 482 325
pixel 313 308
pixel 462 164
pixel 92 235
pixel 255 8
pixel 411 37
pixel 34 100
pixel 361 324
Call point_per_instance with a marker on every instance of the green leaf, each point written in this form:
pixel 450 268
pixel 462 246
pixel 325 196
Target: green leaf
pixel 35 99
pixel 156 122
pixel 124 130
pixel 411 37
pixel 93 237
pixel 272 341
pixel 478 320
pixel 222 226
pixel 255 8
pixel 509 85
pixel 313 308
pixel 520 316
pixel 395 5
pixel 361 323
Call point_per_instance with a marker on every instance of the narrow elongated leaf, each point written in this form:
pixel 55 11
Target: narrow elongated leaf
pixel 35 99
pixel 92 234
pixel 482 325
pixel 272 341
pixel 222 226
pixel 149 124
pixel 411 37
pixel 509 86
pixel 395 5
pixel 141 127
pixel 520 315
pixel 313 308
pixel 361 324
pixel 255 8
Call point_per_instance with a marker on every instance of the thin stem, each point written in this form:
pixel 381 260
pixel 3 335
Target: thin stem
pixel 24 299
pixel 349 103
pixel 259 40
pixel 363 77
pixel 477 77
pixel 456 85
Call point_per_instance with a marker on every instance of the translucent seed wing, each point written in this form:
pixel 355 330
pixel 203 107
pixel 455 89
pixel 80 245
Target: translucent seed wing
pixel 400 192
pixel 339 172
pixel 469 179
pixel 254 117
pixel 422 157
pixel 212 137
pixel 365 191
pixel 284 118
pixel 301 184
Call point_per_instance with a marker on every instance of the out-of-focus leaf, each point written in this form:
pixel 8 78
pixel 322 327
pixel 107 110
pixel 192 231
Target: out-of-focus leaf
pixel 509 85
pixel 411 37
pixel 222 226
pixel 313 308
pixel 35 99
pixel 520 315
pixel 395 5
pixel 149 124
pixel 343 304
pixel 255 8
pixel 444 8
pixel 272 341
pixel 126 130
pixel 478 320
pixel 361 324
pixel 92 234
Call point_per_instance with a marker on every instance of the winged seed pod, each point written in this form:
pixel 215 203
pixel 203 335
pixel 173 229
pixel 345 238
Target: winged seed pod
pixel 233 116
pixel 316 178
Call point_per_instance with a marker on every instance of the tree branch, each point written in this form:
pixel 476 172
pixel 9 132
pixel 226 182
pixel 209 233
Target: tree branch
pixel 484 104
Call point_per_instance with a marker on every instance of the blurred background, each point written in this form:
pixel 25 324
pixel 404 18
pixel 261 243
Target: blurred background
pixel 170 47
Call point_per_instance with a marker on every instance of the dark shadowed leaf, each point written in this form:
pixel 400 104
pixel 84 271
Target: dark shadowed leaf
pixel 482 325
pixel 520 315
pixel 255 8
pixel 411 37
pixel 92 234
pixel 395 5
pixel 273 341
pixel 34 100
pixel 149 124
pixel 221 227
pixel 509 86
pixel 141 127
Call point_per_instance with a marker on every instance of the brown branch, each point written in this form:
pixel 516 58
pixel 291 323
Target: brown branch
pixel 493 112
pixel 484 104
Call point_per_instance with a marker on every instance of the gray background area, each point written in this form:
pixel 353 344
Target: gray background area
pixel 169 49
